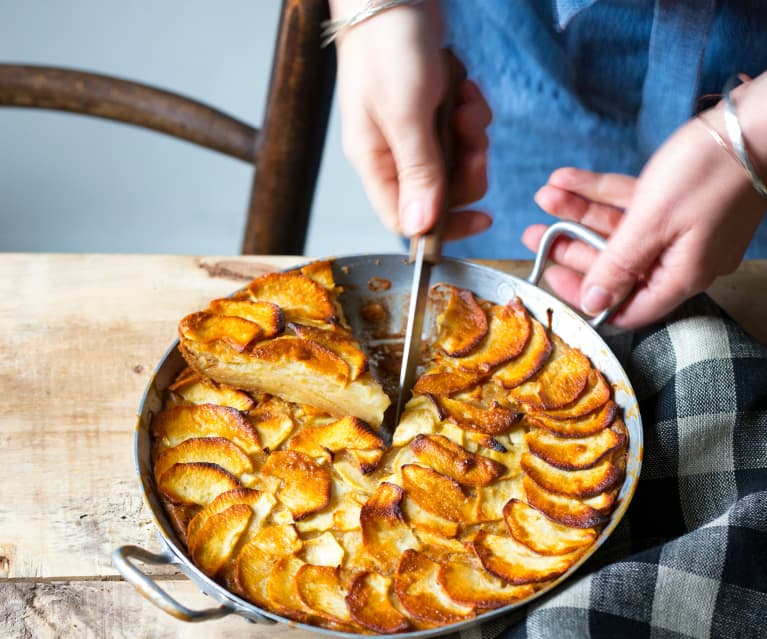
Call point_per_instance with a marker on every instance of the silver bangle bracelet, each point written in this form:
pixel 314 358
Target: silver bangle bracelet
pixel 331 29
pixel 735 134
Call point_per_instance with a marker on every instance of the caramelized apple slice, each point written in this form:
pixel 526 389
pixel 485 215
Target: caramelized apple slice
pixel 509 331
pixel 385 533
pixel 259 502
pixel 273 429
pixel 568 511
pixel 321 271
pixel 495 420
pixel 337 341
pixel 303 355
pixel 573 454
pixel 463 325
pixel 320 589
pixel 195 483
pixel 298 296
pixel 348 433
pixel 251 574
pixel 515 563
pixel 438 494
pixel 420 416
pixel 578 427
pixel 267 316
pixel 493 498
pixel 448 458
pixel 560 382
pixel 350 473
pixel 212 547
pixel 470 585
pixel 178 423
pixel 323 550
pixel 214 450
pixel 197 390
pixel 423 521
pixel 529 361
pixel 448 382
pixel 370 605
pixel 305 485
pixel 206 328
pixel 536 531
pixel 282 590
pixel 347 516
pixel 596 394
pixel 573 483
pixel 420 592
pixel 366 460
pixel 278 540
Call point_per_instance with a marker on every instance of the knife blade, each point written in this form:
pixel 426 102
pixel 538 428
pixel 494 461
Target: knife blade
pixel 426 249
pixel 419 294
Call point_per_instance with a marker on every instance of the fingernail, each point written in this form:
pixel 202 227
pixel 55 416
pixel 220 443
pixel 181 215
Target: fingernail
pixel 412 218
pixel 596 300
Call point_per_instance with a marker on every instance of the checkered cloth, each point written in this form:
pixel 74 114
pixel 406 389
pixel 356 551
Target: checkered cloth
pixel 689 559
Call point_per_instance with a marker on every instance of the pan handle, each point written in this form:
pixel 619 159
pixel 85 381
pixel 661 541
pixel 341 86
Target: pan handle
pixel 150 590
pixel 577 232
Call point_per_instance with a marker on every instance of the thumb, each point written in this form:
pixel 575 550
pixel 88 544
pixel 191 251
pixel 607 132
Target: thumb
pixel 628 257
pixel 420 176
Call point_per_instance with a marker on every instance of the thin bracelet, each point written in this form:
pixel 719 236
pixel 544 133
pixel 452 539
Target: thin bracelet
pixel 716 137
pixel 332 28
pixel 735 133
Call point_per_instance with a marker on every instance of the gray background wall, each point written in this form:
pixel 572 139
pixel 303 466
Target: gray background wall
pixel 71 184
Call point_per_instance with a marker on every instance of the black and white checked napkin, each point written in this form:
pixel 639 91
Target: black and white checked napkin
pixel 689 559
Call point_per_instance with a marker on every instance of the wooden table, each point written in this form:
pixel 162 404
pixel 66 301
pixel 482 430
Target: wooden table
pixel 79 336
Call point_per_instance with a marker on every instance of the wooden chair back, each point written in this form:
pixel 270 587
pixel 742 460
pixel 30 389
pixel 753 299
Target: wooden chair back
pixel 285 150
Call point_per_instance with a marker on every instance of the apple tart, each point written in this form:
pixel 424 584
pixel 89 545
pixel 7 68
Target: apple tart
pixel 272 465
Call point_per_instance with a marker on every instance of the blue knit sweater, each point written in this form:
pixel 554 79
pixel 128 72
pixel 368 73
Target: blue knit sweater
pixel 595 84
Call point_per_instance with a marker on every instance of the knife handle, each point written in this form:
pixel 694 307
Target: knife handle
pixel 456 73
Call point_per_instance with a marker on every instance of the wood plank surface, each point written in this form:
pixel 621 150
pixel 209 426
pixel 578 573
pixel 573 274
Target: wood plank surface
pixel 113 610
pixel 79 338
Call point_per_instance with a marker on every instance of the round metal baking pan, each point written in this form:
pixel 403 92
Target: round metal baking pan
pixel 355 273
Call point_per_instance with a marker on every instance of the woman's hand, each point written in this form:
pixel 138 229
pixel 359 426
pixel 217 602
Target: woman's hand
pixel 392 78
pixel 687 219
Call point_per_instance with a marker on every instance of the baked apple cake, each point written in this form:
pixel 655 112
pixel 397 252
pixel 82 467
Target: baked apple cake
pixel 271 462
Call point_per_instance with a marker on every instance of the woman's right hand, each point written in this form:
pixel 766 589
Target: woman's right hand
pixel 392 77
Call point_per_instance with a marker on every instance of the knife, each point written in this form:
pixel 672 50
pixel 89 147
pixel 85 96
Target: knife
pixel 426 249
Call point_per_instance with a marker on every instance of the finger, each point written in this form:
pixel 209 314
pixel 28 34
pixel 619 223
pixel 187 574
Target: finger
pixel 369 153
pixel 628 257
pixel 468 182
pixel 565 251
pixel 462 224
pixel 565 283
pixel 566 205
pixel 672 279
pixel 472 117
pixel 420 174
pixel 606 188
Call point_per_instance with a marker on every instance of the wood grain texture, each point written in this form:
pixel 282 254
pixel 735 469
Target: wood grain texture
pixel 293 133
pixel 79 338
pixel 128 102
pixel 113 610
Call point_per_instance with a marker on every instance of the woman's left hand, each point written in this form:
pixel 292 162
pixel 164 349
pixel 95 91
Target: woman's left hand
pixel 687 219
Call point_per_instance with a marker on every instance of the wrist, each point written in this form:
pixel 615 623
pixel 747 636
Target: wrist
pixel 360 15
pixel 753 121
